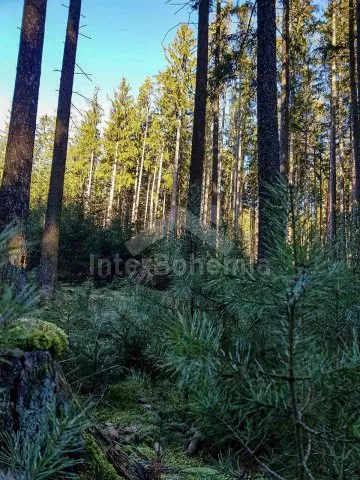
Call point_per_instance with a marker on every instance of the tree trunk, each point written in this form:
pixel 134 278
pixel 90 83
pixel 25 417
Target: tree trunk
pixel 152 199
pixel 333 114
pixel 239 166
pixel 147 200
pixel 16 180
pixel 220 169
pixel 89 185
pixel 268 138
pixel 199 127
pixel 158 184
pixel 342 197
pixel 112 188
pixel 136 212
pixel 174 192
pixel 285 91
pixel 355 118
pixel 30 383
pixel 135 190
pixel 50 241
pixel 216 124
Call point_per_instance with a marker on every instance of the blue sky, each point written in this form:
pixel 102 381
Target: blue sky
pixel 127 38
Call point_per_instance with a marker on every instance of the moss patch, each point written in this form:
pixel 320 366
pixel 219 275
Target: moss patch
pixel 97 465
pixel 33 334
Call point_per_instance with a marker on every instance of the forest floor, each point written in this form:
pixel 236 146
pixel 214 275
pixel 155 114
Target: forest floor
pixel 146 419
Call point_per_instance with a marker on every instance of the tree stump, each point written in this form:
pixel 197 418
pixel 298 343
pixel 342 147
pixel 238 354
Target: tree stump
pixel 30 383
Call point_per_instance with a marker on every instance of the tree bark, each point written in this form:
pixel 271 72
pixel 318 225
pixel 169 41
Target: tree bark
pixel 151 222
pixel 268 138
pixel 174 192
pixel 355 118
pixel 199 127
pixel 29 384
pixel 158 184
pixel 216 123
pixel 50 241
pixel 89 185
pixel 136 211
pixel 285 91
pixel 16 180
pixel 333 114
pixel 149 182
pixel 112 187
pixel 239 166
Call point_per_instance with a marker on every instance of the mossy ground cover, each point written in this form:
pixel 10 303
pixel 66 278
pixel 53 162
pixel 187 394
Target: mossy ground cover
pixel 148 418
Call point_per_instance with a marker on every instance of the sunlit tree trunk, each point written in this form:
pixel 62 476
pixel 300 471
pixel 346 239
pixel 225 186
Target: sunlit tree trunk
pixel 285 90
pixel 109 210
pixel 220 170
pixel 147 200
pixel 239 166
pixel 216 125
pixel 342 200
pixel 151 222
pixel 16 179
pixel 355 119
pixel 141 169
pixel 89 185
pixel 333 115
pixel 161 159
pixel 175 186
pixel 50 241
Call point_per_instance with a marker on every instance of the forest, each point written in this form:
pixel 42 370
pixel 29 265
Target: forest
pixel 180 268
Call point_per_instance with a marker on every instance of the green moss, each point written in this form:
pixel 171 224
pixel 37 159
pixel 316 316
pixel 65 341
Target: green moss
pixel 97 465
pixel 33 334
pixel 126 393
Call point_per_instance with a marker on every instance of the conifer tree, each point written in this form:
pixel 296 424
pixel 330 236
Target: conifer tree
pixel 120 148
pixel 144 104
pixel 84 156
pixel 175 96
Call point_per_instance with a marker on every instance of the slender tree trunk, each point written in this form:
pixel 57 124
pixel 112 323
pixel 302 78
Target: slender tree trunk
pixel 152 199
pixel 238 167
pixel 147 200
pixel 216 124
pixel 158 183
pixel 174 192
pixel 16 180
pixel 112 187
pixel 136 212
pixel 358 50
pixel 268 138
pixel 220 170
pixel 89 185
pixel 321 199
pixel 165 227
pixel 333 113
pixel 342 197
pixel 285 91
pixel 199 127
pixel 206 190
pixel 135 190
pixel 50 241
pixel 355 117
